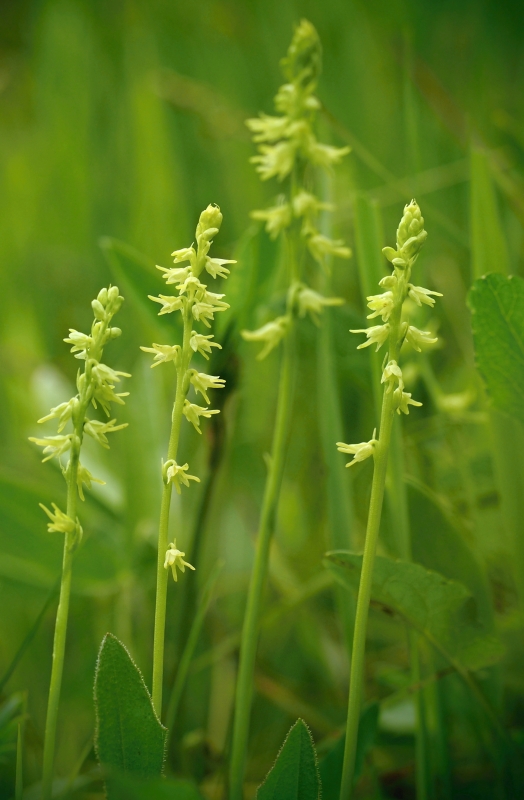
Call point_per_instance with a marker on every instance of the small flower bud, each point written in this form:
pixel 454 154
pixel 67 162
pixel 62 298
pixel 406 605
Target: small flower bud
pixel 102 296
pixel 210 218
pixel 113 294
pixel 208 234
pixel 115 333
pixel 98 310
pixel 411 224
pixel 303 61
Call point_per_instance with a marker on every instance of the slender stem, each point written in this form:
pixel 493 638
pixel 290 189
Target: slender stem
pixel 19 775
pixel 364 595
pixel 19 778
pixel 366 578
pixel 162 573
pixel 421 739
pixel 250 630
pixel 61 618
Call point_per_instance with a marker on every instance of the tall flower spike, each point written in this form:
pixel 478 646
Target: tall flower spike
pixel 289 139
pixel 288 150
pixel 411 236
pixel 197 305
pixel 95 384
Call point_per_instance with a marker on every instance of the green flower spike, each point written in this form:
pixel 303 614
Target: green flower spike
pixel 289 151
pixel 287 144
pixel 197 305
pixel 96 385
pixel 394 333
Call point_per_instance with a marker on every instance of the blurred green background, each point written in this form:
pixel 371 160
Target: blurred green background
pixel 119 122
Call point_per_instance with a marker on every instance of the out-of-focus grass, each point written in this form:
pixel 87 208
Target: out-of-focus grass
pixel 123 120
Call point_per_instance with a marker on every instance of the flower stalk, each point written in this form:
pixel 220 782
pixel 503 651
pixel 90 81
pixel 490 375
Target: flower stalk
pixel 196 304
pixel 289 151
pixel 96 385
pixel 395 331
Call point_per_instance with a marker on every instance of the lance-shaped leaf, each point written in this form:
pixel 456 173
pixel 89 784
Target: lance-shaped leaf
pixel 442 610
pixel 129 737
pixel 497 306
pixel 294 776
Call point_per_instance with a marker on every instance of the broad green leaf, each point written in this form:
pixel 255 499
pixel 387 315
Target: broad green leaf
pixel 330 768
pixel 443 611
pixel 439 545
pixel 294 776
pixel 497 306
pixel 124 787
pixel 129 736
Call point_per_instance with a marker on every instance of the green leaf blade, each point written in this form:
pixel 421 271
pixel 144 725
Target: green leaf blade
pixel 294 776
pixel 497 306
pixel 129 736
pixel 442 610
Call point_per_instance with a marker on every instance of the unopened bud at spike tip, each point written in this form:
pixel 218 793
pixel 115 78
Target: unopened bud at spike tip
pixel 210 218
pixel 304 56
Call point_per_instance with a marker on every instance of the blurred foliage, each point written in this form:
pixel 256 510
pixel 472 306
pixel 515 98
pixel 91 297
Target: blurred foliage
pixel 119 122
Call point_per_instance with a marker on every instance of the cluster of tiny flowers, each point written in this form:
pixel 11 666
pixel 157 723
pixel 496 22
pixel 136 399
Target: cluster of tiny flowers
pixel 196 304
pixel 96 384
pixel 388 305
pixel 287 144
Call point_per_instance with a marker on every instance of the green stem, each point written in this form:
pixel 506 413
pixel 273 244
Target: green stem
pixel 421 738
pixel 375 512
pixel 163 529
pixel 61 617
pixel 19 779
pixel 248 648
pixel 364 595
